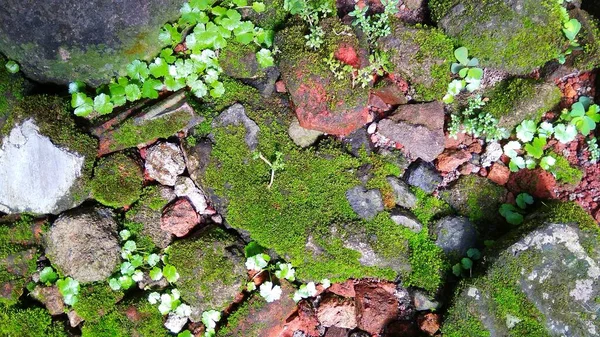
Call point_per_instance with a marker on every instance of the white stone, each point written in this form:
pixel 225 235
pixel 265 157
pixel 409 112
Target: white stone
pixel 185 187
pixel 35 175
pixel 164 162
pixel 372 128
pixel 492 154
pixel 175 323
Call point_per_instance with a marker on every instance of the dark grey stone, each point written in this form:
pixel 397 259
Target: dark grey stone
pixel 424 176
pixel 402 193
pixel 455 235
pixel 365 203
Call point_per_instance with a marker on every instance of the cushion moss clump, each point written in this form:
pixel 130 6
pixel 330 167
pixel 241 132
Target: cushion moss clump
pixel 564 172
pixel 428 207
pixel 30 322
pixel 11 90
pixel 117 181
pixel 589 38
pixel 514 36
pixel 131 318
pixel 514 100
pixel 95 301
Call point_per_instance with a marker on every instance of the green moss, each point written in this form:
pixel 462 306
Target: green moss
pixel 589 38
pixel 234 59
pixel 427 262
pixel 428 207
pixel 564 172
pixel 383 168
pixel 142 319
pixel 232 327
pixel 439 8
pixel 235 92
pixel 117 181
pixel 130 134
pixel 11 90
pixel 95 301
pixel 31 322
pixel 506 94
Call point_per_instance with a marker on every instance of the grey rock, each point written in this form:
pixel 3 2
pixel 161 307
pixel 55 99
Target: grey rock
pixel 359 334
pixel 69 44
pixel 184 187
pixel 197 159
pixel 423 302
pixel 266 84
pixel 358 141
pixel 301 136
pixel 395 157
pixel 424 176
pixel 365 203
pixel 74 319
pixel 35 175
pixel 402 193
pixel 84 244
pixel 164 162
pixel 407 221
pixel 418 127
pixel 175 323
pixel 236 115
pixel 50 297
pixel 151 219
pixel 493 152
pixel 455 235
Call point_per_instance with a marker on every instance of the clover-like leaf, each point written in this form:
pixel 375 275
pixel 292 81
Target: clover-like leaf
pixel 127 268
pixel 511 148
pixel 48 275
pixel 170 273
pixel 154 297
pixel 526 130
pixel 102 104
pixel 516 164
pixel 264 58
pixel 125 234
pixel 536 147
pixel 138 70
pixel 69 289
pixel 257 262
pixel 547 162
pixel 258 7
pixel 156 274
pixel 286 271
pixel 152 259
pixel 457 270
pixel 524 199
pixel 132 92
pixel 270 292
pixel 511 214
pixel 210 318
pixel 466 263
pixel 130 246
pixel 114 284
pixel 565 133
pixel 462 55
pixel 474 254
pixel 546 129
pixel 571 28
pixel 12 67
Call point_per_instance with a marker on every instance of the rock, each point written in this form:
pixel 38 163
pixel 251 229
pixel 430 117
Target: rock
pixel 184 187
pixel 418 127
pixel 429 323
pixel 539 183
pixel 74 319
pixel 164 162
pixel 423 302
pixel 301 136
pixel 236 115
pixel 366 203
pixel 336 312
pixel 402 194
pixel 148 212
pixel 450 160
pixel 239 61
pixel 27 184
pixel 336 332
pixel 179 218
pixel 499 174
pixel 455 235
pixel 544 282
pixel 197 158
pixel 422 56
pixel 376 306
pixel 51 298
pixel 162 120
pixel 424 176
pixel 67 45
pixel 358 142
pixel 514 100
pixel 345 289
pixel 500 34
pixel 493 152
pixel 359 333
pixel 477 198
pixel 589 36
pixel 323 102
pixel 84 244
pixel 175 323
pixel 407 221
pixel 211 268
pixel 390 93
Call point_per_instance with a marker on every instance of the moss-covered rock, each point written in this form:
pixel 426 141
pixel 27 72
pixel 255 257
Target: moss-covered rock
pixel 423 56
pixel 239 61
pixel 211 268
pixel 144 219
pixel 11 91
pixel 564 172
pixel 514 100
pixel 18 257
pixel 31 322
pixel 117 181
pixel 514 36
pixel 68 44
pixel 589 38
pixel 547 283
pixel 273 16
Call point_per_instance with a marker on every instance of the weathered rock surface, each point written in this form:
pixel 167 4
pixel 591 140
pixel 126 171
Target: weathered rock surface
pixel 366 203
pixel 35 175
pixel 301 136
pixel 235 115
pixel 376 305
pixel 164 162
pixel 419 128
pixel 402 194
pixel 179 218
pixel 337 312
pixel 407 221
pixel 547 282
pixel 424 176
pixel 87 41
pixel 455 235
pixel 358 142
pixel 185 187
pixel 84 244
pixel 51 298
pixel 148 212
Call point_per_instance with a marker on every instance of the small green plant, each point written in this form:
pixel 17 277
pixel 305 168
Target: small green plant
pixel 378 64
pixel 514 215
pixel 583 115
pixel 69 289
pixel 571 28
pixel 311 14
pixel 48 276
pixel 275 164
pixel 469 74
pixel 476 122
pixel 210 319
pixel 12 67
pixel 466 263
pixel 594 150
pixel 377 25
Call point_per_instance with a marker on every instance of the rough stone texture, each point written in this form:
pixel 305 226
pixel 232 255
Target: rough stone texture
pixel 538 182
pixel 545 283
pixel 175 323
pixel 493 152
pixel 337 312
pixel 423 302
pixel 197 158
pixel 321 101
pixel 184 187
pixel 358 142
pixel 74 319
pixel 402 193
pixel 499 174
pixel 515 36
pixel 35 175
pixel 211 268
pixel 336 332
pixel 390 93
pixel 424 176
pixel 407 221
pixel 429 323
pixel 236 115
pixel 51 298
pixel 366 203
pixel 450 160
pixel 301 136
pixel 419 128
pixel 164 162
pixel 84 244
pixel 179 218
pixel 376 306
pixel 455 235
pixel 151 219
pixel 90 41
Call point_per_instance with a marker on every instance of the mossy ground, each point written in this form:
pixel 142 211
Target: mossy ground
pixel 30 322
pixel 564 172
pixel 11 89
pixel 117 181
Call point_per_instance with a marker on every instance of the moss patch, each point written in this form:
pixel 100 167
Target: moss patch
pixel 428 207
pixel 564 172
pixel 31 322
pixel 117 181
pixel 11 90
pixel 95 301
pixel 131 318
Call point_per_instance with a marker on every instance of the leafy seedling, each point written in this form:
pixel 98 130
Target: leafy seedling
pixel 270 292
pixel 524 199
pixel 511 214
pixel 69 289
pixel 12 67
pixel 48 276
pixel 257 262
